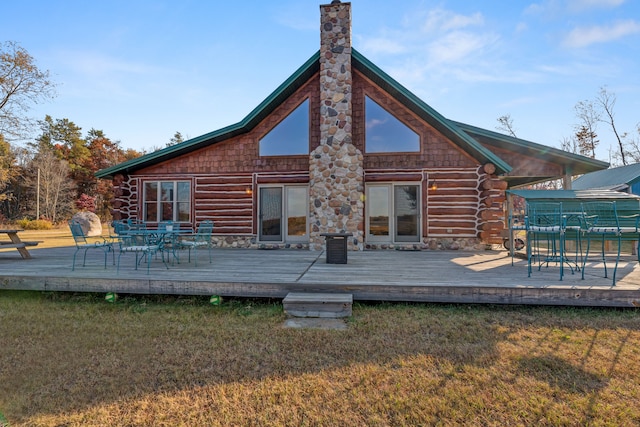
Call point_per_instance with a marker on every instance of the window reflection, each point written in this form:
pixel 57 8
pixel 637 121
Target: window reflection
pixel 290 136
pixel 385 133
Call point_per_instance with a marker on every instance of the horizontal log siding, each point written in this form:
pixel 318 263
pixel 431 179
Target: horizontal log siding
pixel 224 200
pixel 453 205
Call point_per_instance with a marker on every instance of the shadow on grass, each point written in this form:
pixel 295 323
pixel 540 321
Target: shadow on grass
pixel 65 353
pixel 559 373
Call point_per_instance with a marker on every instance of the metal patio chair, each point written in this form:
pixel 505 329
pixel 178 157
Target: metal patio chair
pixel 138 244
pixel 200 240
pixel 82 243
pixel 120 227
pixel 602 221
pixel 170 232
pixel 545 226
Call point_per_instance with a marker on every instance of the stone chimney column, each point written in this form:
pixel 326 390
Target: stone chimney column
pixel 336 182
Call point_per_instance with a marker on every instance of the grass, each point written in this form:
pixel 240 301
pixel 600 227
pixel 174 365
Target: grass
pixel 74 359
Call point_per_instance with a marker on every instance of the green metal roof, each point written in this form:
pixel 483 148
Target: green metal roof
pixel 467 137
pixel 573 164
pixel 573 194
pixel 610 178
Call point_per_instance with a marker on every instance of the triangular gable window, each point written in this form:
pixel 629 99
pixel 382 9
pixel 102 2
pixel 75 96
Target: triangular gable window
pixel 290 136
pixel 387 134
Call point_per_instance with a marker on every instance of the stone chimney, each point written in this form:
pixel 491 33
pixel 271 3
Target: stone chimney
pixel 336 182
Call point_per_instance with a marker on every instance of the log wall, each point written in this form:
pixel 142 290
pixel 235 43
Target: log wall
pixel 466 203
pixel 452 207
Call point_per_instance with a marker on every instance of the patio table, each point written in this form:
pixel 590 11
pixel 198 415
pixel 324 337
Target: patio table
pixel 161 236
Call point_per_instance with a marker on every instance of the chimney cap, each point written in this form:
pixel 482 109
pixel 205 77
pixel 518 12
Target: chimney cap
pixel 335 2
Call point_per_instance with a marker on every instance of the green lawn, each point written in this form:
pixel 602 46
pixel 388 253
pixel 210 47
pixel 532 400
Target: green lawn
pixel 79 360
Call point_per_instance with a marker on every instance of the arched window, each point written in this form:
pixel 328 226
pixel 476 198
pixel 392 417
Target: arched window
pixel 290 136
pixel 385 133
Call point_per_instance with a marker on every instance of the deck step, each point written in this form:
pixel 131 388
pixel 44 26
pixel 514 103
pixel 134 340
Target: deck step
pixel 308 304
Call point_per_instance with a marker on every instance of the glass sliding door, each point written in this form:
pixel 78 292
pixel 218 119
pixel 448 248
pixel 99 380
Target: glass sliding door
pixel 393 213
pixel 270 218
pixel 297 205
pixel 378 209
pixel 283 213
pixel 406 213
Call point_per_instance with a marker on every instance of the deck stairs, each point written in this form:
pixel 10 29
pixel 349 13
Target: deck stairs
pixel 320 305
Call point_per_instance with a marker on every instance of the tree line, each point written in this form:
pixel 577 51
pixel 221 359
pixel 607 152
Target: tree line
pixel 52 175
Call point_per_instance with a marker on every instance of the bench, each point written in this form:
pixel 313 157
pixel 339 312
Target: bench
pixel 9 244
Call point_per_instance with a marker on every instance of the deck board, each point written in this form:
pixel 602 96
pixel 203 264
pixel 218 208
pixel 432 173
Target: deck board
pixel 436 276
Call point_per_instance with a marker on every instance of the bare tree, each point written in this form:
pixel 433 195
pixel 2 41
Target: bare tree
pixel 56 189
pixel 6 166
pixel 506 125
pixel 22 83
pixel 633 145
pixel 607 101
pixel 587 138
pixel 570 144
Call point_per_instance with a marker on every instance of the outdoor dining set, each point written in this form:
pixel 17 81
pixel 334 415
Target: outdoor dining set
pixel 164 241
pixel 548 227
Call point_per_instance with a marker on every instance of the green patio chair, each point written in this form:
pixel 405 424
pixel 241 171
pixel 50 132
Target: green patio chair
pixel 82 243
pixel 170 232
pixel 603 222
pixel 545 226
pixel 200 240
pixel 138 244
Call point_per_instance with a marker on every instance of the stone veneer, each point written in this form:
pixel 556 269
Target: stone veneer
pixel 336 174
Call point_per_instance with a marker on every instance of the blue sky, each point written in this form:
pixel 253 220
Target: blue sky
pixel 140 70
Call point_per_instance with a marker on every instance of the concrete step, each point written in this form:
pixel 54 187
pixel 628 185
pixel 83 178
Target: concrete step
pixel 308 304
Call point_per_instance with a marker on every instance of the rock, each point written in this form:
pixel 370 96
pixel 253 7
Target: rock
pixel 90 223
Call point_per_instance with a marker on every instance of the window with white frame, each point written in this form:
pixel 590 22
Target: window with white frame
pixel 166 201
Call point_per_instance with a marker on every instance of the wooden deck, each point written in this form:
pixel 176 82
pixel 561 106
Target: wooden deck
pixel 426 276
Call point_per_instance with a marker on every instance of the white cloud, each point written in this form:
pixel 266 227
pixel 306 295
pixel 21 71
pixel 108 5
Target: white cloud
pixel 557 8
pixel 579 5
pixel 91 63
pixel 585 36
pixel 373 123
pixel 458 46
pixel 445 20
pixel 383 45
pixel 545 8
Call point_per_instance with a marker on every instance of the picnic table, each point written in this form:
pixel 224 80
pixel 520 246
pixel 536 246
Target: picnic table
pixel 16 242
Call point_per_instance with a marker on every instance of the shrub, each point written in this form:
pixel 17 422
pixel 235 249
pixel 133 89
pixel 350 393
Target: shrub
pixel 86 203
pixel 37 224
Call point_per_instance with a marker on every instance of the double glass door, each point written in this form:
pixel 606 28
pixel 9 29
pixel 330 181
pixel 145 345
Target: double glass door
pixel 283 214
pixel 393 213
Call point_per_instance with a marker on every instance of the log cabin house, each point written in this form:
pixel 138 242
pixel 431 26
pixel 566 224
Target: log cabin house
pixel 340 146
